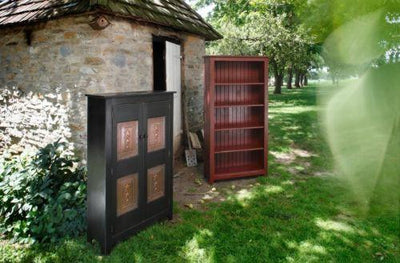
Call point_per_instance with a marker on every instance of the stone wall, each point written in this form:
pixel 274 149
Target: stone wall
pixel 30 120
pixel 193 80
pixel 67 59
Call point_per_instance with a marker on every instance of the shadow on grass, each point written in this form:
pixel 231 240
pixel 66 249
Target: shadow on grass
pixel 295 126
pixel 283 218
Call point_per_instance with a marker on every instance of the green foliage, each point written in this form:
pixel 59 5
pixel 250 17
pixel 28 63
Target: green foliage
pixel 42 197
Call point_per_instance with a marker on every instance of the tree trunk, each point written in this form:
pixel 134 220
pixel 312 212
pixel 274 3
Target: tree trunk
pixel 278 83
pixel 278 74
pixel 290 78
pixel 305 80
pixel 297 79
pixel 334 79
pixel 301 79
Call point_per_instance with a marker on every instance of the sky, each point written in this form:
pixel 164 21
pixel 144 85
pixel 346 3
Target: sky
pixel 204 11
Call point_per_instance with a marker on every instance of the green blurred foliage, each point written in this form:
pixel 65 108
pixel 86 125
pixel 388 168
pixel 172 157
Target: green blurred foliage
pixel 363 128
pixel 356 42
pixel 362 119
pixel 325 16
pixel 356 34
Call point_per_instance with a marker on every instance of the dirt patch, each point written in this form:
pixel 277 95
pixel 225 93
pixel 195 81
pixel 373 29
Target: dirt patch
pixel 291 156
pixel 294 160
pixel 323 174
pixel 192 190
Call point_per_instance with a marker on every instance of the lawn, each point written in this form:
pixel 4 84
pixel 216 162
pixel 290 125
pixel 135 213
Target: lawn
pixel 300 212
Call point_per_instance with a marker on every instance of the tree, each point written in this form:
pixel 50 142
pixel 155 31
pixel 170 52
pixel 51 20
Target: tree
pixel 268 28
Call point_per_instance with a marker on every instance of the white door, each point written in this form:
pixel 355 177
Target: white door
pixel 173 72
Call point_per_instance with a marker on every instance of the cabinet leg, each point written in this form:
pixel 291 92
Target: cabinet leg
pixel 105 250
pixel 170 216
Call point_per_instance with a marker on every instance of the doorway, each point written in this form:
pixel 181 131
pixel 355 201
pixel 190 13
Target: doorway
pixel 167 74
pixel 159 67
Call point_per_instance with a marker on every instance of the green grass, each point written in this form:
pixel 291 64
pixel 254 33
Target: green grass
pixel 301 212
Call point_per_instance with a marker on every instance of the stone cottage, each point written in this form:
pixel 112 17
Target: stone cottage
pixel 53 52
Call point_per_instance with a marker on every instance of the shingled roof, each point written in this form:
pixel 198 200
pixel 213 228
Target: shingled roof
pixel 170 13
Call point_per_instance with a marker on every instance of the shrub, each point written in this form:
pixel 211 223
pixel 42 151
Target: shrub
pixel 42 196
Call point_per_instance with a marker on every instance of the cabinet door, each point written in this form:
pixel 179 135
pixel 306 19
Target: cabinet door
pixel 157 150
pixel 127 177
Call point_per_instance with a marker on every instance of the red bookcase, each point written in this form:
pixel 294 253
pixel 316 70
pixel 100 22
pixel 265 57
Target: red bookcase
pixel 236 117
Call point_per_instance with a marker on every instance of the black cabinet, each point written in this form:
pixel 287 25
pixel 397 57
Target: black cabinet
pixel 129 163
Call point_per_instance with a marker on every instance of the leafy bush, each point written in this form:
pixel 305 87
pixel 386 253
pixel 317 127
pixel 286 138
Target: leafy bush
pixel 42 196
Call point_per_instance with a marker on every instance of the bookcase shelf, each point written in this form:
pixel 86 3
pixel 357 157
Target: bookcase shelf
pixel 230 173
pixel 238 126
pixel 239 140
pixel 238 105
pixel 236 113
pixel 238 164
pixel 238 148
pixel 240 84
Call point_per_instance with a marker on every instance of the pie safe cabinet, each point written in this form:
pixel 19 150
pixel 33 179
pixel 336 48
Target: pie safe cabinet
pixel 129 164
pixel 236 117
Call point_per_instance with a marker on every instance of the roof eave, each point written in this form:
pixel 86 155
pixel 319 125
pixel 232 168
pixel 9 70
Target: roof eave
pixel 212 36
pixel 215 37
pixel 202 28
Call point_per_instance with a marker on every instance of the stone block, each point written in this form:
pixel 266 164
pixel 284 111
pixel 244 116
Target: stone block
pixel 70 35
pixel 94 61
